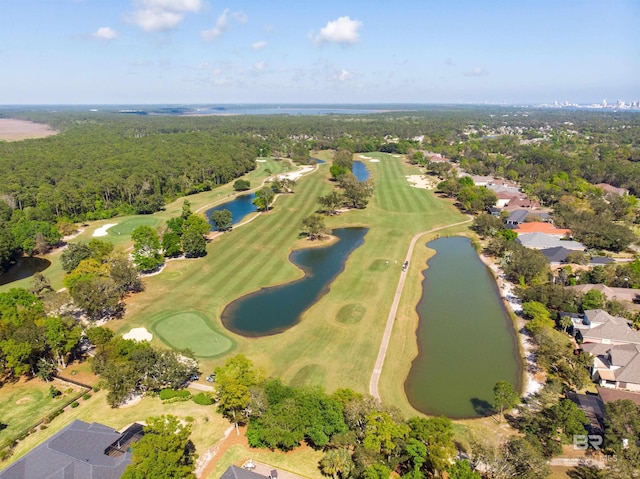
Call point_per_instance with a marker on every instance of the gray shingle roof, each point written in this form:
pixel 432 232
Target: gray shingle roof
pixel 600 325
pixel 545 241
pixel 76 452
pixel 235 472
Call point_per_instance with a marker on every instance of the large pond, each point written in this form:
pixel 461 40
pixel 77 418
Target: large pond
pixel 360 171
pixel 24 268
pixel 466 340
pixel 240 207
pixel 275 309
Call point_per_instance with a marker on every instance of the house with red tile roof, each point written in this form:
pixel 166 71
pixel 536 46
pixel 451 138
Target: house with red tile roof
pixel 541 227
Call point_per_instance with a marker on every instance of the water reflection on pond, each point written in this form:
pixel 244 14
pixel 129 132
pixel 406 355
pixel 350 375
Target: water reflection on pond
pixel 24 268
pixel 275 309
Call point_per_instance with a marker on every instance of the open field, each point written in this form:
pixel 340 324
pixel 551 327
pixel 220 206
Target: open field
pixel 16 130
pixel 25 402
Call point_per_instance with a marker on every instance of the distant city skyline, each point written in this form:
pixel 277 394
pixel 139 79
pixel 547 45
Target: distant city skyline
pixel 410 51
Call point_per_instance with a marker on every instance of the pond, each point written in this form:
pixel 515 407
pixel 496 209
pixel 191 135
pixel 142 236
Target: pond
pixel 360 171
pixel 466 340
pixel 24 268
pixel 240 207
pixel 275 309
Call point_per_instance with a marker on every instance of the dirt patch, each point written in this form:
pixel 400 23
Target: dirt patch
pixel 16 130
pixel 23 401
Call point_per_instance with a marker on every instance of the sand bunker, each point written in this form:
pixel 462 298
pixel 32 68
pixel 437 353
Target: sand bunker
pixel 294 175
pixel 261 161
pixel 373 160
pixel 139 334
pixel 419 181
pixel 102 231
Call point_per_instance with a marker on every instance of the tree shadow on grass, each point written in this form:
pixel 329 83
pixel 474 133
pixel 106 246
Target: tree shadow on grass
pixel 482 407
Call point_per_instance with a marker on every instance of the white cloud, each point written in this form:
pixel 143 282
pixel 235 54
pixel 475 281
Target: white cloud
pixel 162 15
pixel 476 72
pixel 343 31
pixel 105 33
pixel 259 65
pixel 342 75
pixel 258 45
pixel 222 24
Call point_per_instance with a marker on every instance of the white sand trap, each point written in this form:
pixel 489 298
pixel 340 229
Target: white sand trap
pixel 365 157
pixel 102 231
pixel 294 175
pixel 261 161
pixel 418 181
pixel 373 160
pixel 139 334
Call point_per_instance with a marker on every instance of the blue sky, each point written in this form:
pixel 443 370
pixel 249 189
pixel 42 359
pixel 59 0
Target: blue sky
pixel 326 51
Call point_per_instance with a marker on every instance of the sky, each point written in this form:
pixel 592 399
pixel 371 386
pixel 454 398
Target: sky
pixel 325 51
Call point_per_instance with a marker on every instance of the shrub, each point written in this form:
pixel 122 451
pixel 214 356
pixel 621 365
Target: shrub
pixel 202 399
pixel 189 419
pixel 75 404
pixel 86 396
pixel 53 392
pixel 96 389
pixel 168 394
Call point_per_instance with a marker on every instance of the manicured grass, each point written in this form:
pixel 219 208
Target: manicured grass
pixel 303 461
pixel 319 349
pixel 191 330
pixel 25 402
pixel 126 227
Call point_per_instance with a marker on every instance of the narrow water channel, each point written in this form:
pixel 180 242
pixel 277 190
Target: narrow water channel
pixel 466 340
pixel 275 309
pixel 360 171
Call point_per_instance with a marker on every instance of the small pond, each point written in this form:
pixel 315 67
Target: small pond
pixel 466 340
pixel 240 207
pixel 360 171
pixel 24 268
pixel 275 309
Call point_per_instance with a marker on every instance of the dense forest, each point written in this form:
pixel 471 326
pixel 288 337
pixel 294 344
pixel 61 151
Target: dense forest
pixel 104 164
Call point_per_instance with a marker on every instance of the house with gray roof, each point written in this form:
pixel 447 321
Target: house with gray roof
pixel 598 326
pixel 79 451
pixel 545 241
pixel 235 472
pixel 616 366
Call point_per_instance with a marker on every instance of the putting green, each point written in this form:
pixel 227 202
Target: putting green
pixel 127 226
pixel 191 330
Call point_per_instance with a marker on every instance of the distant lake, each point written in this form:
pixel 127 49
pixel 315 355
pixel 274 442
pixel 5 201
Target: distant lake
pixel 466 339
pixel 240 207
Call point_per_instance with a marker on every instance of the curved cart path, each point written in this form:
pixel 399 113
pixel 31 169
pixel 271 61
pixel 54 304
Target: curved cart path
pixel 384 344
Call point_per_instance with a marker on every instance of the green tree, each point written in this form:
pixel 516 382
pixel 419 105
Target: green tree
pixel 538 316
pixel 164 452
pixel 146 248
pixel 337 463
pixel 194 244
pixel 487 225
pixel 171 244
pixel 222 219
pixel 356 193
pixel 73 254
pixel 383 433
pixel 233 383
pixel 592 300
pixel 462 470
pixel 241 185
pixel 62 335
pixel 436 434
pixel 314 226
pixel 264 198
pixel 124 274
pixel 504 396
pixel 376 471
pixel 330 202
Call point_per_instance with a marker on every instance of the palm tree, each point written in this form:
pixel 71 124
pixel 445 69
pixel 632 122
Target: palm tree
pixel 337 463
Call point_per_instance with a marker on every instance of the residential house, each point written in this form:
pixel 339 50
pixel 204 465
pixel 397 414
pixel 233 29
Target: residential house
pixel 480 180
pixel 608 189
pixel 629 296
pixel 525 203
pixel 235 472
pixel 542 227
pixel 557 255
pixel 545 241
pixel 517 217
pixel 598 326
pixel 79 451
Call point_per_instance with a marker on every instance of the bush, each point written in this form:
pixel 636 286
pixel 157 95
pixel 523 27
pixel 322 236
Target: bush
pixel 86 396
pixel 189 419
pixel 75 404
pixel 202 399
pixel 53 392
pixel 168 394
pixel 96 389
